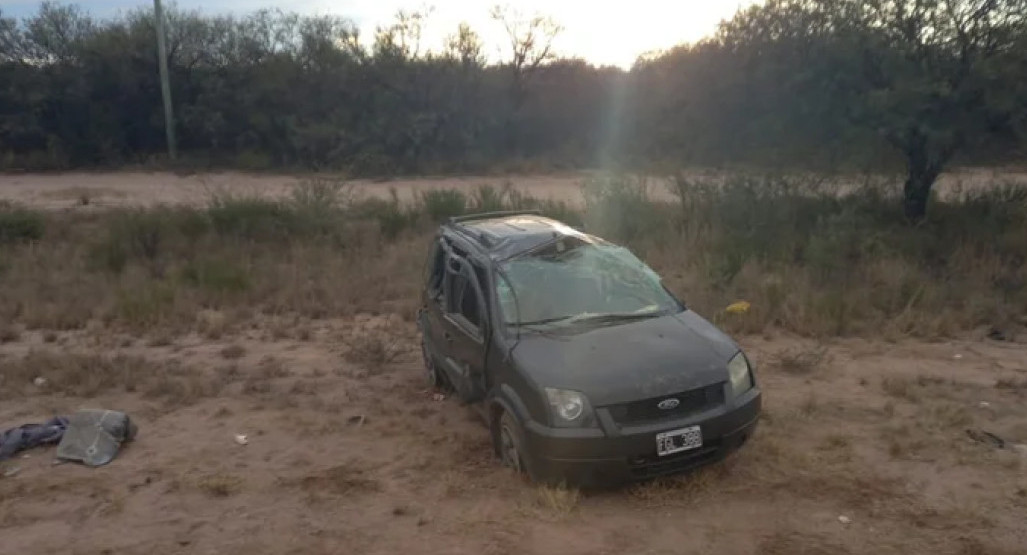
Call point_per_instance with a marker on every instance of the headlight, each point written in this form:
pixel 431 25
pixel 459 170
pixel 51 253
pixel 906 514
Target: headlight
pixel 741 376
pixel 569 408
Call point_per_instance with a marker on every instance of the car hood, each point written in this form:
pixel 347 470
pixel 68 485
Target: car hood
pixel 630 361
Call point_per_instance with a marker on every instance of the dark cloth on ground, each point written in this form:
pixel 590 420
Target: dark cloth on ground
pixel 31 435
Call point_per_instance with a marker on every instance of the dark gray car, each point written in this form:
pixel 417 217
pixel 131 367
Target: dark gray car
pixel 586 368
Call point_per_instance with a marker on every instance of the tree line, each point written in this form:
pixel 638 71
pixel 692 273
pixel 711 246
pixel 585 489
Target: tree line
pixel 917 84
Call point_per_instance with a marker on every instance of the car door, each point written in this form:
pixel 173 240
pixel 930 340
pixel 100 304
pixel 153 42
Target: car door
pixel 464 328
pixel 431 320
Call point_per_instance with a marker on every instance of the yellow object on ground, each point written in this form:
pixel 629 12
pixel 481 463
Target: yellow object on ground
pixel 740 307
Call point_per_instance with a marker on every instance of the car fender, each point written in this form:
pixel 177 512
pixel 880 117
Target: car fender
pixel 504 398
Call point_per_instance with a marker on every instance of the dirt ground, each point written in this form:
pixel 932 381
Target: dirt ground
pixel 68 190
pixel 862 449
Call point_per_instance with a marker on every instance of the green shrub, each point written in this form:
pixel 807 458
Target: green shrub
pixel 391 216
pixel 216 275
pixel 486 198
pixel 131 235
pixel 442 204
pixel 147 306
pixel 254 218
pixel 619 208
pixel 18 225
pixel 253 160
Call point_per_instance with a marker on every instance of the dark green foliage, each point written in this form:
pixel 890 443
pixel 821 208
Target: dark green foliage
pixel 813 84
pixel 217 276
pixel 18 225
pixel 392 217
pixel 278 90
pixel 619 207
pixel 256 218
pixel 441 204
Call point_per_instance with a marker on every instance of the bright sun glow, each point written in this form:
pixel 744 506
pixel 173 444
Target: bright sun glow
pixel 609 32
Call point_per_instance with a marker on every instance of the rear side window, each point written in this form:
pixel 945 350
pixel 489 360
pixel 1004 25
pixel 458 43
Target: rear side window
pixel 463 300
pixel 436 270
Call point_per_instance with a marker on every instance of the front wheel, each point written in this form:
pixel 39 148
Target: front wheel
pixel 511 445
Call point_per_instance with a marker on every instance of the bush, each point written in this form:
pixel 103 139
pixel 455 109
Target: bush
pixel 391 216
pixel 147 306
pixel 216 275
pixel 131 235
pixel 619 208
pixel 254 218
pixel 18 225
pixel 486 198
pixel 442 204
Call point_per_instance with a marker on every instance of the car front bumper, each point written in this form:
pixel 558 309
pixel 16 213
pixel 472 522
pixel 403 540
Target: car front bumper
pixel 612 454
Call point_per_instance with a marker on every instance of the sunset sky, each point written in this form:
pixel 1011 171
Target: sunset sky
pixel 602 31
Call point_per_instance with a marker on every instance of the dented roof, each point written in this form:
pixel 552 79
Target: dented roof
pixel 505 235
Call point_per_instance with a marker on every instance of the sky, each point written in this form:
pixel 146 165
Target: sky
pixel 604 32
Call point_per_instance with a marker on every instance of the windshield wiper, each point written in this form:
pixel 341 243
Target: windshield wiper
pixel 543 321
pixel 618 316
pixel 601 317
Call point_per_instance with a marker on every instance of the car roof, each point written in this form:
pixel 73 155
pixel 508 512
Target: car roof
pixel 504 235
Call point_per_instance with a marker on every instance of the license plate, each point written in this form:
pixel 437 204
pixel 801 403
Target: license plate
pixel 676 441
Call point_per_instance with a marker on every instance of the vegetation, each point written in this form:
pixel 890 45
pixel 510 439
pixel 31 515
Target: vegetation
pixel 821 84
pixel 806 258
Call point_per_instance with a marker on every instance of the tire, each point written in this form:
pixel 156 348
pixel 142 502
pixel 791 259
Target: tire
pixel 511 446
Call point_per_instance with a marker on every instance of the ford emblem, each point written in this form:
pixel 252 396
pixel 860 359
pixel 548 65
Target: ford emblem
pixel 668 404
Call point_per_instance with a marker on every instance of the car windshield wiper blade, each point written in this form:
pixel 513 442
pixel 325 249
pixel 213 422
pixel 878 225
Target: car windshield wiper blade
pixel 594 317
pixel 543 321
pixel 619 316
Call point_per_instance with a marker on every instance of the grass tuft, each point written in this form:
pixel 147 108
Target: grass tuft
pixel 800 361
pixel 19 225
pixel 558 501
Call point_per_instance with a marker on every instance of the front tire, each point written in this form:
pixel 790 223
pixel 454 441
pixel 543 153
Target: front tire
pixel 511 446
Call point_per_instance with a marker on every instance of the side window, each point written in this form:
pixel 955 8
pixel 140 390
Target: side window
pixel 469 305
pixel 462 298
pixel 436 270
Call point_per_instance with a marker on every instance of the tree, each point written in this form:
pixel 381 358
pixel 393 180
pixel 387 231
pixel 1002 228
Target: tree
pixel 465 46
pixel 930 77
pixel 531 45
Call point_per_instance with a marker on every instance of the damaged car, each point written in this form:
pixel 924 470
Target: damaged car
pixel 586 368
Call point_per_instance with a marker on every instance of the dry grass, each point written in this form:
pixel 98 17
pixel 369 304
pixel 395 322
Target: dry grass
pixel 234 351
pixel 88 375
pixel 220 485
pixel 797 542
pixel 678 490
pixel 374 348
pixel 9 332
pixel 557 501
pixel 1012 384
pixel 807 259
pixel 800 361
pixel 900 388
pixel 343 479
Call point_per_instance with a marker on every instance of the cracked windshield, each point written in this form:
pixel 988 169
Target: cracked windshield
pixel 572 280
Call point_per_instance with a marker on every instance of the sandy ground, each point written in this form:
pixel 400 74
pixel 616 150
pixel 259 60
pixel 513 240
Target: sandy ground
pixel 345 457
pixel 67 190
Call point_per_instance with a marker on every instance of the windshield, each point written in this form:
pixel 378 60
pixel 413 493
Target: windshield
pixel 573 281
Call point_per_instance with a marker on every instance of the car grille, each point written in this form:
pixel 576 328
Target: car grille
pixel 692 401
pixel 654 466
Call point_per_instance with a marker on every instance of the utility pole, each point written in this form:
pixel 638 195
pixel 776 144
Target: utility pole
pixel 165 83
